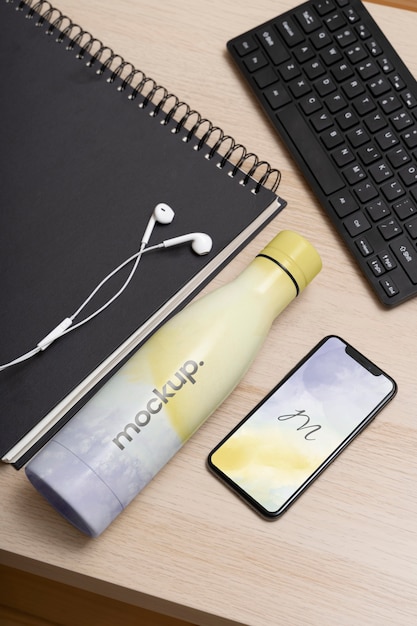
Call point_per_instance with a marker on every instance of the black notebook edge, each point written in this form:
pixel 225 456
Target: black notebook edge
pixel 259 176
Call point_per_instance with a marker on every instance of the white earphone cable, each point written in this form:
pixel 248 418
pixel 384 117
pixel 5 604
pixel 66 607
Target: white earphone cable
pixel 138 256
pixel 67 325
pixel 20 359
pixel 163 214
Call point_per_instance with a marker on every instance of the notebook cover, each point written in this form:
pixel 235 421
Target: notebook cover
pixel 83 166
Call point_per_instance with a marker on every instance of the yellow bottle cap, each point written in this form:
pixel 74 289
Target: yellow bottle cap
pixel 295 255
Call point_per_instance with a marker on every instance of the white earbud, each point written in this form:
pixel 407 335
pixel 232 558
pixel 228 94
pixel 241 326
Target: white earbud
pixel 200 243
pixel 163 214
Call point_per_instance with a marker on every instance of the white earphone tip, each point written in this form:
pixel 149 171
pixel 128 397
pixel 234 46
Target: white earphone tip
pixel 202 243
pixel 163 213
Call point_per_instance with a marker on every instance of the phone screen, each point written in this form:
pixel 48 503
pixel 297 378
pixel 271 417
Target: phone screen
pixel 299 428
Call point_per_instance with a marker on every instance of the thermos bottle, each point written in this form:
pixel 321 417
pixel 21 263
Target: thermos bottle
pixel 102 458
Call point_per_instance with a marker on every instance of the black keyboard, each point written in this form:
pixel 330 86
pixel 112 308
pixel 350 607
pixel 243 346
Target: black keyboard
pixel 345 105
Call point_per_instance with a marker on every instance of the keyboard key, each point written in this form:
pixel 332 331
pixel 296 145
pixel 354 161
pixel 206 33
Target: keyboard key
pixel 368 70
pixel 406 255
pixel 244 46
pixel 351 15
pixel 358 137
pixel 314 69
pixel 324 6
pixel 379 86
pixel 264 77
pixel 380 172
pixel 307 20
pixel 410 138
pixel 335 21
pixel 299 87
pixel 364 105
pixel 305 52
pixel 353 88
pixel 401 120
pixel 374 48
pixel 343 156
pixel 404 209
pixel 386 139
pixel 345 37
pixel 342 71
pixel 277 95
pixel 325 86
pixel 332 138
pixel 362 31
pixel 347 119
pixel 376 266
pixel 356 224
pixel 335 103
pixel 344 203
pixel 387 260
pixel 290 32
pixel 390 103
pixel 411 228
pixel 289 70
pixel 377 210
pixel 320 39
pixel 397 82
pixel 273 45
pixel 408 174
pixel 310 104
pixel 321 121
pixel 331 55
pixel 255 61
pixel 354 174
pixel 389 229
pixel 366 192
pixel 389 287
pixel 356 53
pixel 369 154
pixel 385 65
pixel 398 157
pixel 375 121
pixel 392 190
pixel 363 246
pixel 409 99
pixel 322 169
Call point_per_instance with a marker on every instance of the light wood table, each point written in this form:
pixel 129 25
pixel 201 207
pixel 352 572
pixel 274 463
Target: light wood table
pixel 346 552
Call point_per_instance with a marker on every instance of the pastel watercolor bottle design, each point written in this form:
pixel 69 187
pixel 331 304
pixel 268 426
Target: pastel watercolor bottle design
pixel 96 464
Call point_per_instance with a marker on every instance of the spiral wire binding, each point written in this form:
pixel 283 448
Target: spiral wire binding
pixel 164 103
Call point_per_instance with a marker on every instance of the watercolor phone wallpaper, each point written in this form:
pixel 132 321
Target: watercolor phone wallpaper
pixel 287 438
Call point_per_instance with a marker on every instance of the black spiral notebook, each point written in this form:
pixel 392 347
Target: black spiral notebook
pixel 89 145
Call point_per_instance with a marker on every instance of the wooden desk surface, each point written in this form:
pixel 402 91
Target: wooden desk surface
pixel 345 553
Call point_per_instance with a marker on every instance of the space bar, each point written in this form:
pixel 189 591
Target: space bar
pixel 310 149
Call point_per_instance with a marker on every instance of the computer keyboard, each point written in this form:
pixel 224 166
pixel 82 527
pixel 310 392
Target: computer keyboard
pixel 345 105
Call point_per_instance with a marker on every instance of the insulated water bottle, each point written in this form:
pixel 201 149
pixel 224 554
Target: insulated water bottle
pixel 104 456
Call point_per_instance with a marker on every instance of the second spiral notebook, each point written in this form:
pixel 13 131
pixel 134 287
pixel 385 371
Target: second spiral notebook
pixel 89 146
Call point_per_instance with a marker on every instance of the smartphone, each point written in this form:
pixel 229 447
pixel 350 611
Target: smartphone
pixel 300 427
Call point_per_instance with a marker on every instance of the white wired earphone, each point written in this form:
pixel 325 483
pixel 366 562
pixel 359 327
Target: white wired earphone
pixel 162 214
